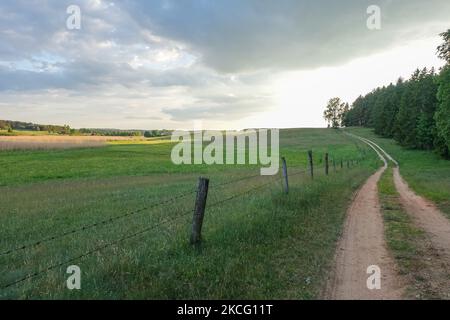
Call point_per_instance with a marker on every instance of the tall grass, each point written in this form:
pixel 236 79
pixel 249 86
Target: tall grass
pixel 261 245
pixel 48 142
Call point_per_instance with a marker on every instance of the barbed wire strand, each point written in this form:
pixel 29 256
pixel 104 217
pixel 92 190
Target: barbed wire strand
pixel 133 235
pixel 234 181
pixel 97 249
pixel 113 219
pixel 90 226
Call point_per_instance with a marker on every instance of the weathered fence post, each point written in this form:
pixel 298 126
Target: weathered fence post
pixel 311 165
pixel 326 164
pixel 285 176
pixel 199 211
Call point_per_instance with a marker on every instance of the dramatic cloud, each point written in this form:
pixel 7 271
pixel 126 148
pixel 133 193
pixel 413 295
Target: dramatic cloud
pixel 163 63
pixel 236 35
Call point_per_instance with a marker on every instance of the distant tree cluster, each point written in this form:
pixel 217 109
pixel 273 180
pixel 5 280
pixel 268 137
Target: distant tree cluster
pixel 124 133
pixel 111 132
pixel 156 133
pixel 66 130
pixel 415 112
pixel 28 126
pixel 335 112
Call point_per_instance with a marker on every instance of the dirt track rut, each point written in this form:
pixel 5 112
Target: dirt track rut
pixel 362 245
pixel 436 226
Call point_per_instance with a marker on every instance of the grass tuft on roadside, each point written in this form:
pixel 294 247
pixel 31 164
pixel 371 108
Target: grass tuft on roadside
pixel 409 245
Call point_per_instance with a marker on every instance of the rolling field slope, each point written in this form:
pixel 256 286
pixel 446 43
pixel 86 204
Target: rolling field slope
pixel 123 213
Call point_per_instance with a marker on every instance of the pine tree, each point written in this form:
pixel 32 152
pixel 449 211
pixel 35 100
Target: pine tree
pixel 442 116
pixel 427 99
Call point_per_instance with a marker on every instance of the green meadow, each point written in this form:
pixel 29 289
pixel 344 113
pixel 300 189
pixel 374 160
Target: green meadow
pixel 258 242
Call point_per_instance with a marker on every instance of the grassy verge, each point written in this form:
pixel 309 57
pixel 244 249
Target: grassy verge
pixel 402 236
pixel 410 246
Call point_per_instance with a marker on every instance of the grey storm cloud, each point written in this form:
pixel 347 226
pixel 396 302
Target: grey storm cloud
pixel 226 36
pixel 218 107
pixel 220 46
pixel 236 35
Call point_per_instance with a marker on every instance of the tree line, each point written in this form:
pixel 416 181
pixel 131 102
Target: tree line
pixel 12 126
pixel 28 126
pixel 415 112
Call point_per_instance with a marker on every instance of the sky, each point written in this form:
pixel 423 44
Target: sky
pixel 227 64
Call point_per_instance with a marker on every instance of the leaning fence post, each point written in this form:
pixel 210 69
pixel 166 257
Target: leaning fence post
pixel 326 164
pixel 199 211
pixel 311 165
pixel 285 176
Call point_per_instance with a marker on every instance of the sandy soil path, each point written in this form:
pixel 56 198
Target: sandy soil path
pixel 429 218
pixel 362 245
pixel 426 215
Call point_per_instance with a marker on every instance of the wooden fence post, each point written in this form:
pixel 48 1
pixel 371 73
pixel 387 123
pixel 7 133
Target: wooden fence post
pixel 311 165
pixel 342 164
pixel 199 211
pixel 326 164
pixel 285 176
pixel 334 165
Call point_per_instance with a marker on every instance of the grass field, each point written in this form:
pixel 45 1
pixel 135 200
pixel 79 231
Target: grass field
pixel 426 172
pixel 52 142
pixel 259 245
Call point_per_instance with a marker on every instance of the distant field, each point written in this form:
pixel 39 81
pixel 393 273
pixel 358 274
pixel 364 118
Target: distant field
pixel 43 142
pixel 259 245
pixel 24 133
pixel 427 173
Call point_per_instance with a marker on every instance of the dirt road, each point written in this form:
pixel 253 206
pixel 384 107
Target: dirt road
pixel 430 219
pixel 362 245
pixel 425 214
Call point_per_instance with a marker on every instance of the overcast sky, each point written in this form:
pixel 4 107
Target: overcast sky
pixel 231 64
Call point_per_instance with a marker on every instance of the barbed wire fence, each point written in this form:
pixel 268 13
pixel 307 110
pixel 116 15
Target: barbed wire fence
pixel 200 207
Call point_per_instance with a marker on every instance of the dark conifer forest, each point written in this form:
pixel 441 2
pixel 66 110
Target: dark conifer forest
pixel 415 112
